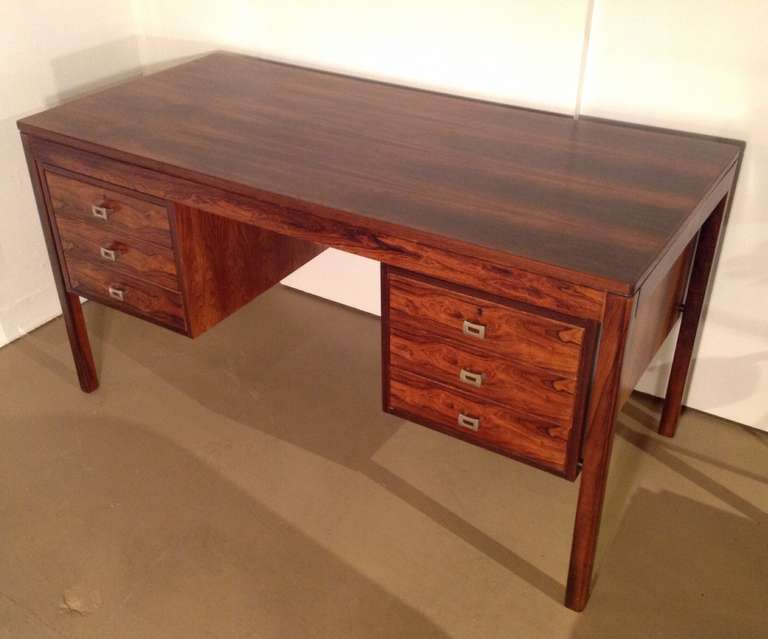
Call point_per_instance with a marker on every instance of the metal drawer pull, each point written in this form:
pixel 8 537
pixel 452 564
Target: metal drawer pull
pixel 465 421
pixel 468 377
pixel 101 212
pixel 475 330
pixel 108 254
pixel 116 293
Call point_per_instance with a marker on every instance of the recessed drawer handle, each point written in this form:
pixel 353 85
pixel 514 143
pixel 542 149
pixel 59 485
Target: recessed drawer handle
pixel 475 330
pixel 468 377
pixel 108 254
pixel 465 421
pixel 116 293
pixel 101 212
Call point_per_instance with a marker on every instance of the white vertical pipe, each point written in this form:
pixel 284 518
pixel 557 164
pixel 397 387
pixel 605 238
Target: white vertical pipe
pixel 584 56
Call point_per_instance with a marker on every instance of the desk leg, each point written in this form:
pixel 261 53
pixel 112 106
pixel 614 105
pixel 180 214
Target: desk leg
pixel 70 302
pixel 689 324
pixel 78 340
pixel 597 449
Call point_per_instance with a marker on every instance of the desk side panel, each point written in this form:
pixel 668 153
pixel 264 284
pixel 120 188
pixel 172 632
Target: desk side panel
pixel 225 264
pixel 656 314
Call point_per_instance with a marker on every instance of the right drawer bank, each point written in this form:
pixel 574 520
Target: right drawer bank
pixel 505 376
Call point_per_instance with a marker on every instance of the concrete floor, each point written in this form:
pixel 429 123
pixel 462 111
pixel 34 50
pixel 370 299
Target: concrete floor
pixel 247 484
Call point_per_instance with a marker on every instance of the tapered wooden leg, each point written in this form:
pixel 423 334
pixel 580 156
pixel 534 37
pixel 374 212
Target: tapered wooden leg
pixel 79 342
pixel 689 324
pixel 70 303
pixel 597 449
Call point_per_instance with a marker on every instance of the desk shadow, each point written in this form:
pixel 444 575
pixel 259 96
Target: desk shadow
pixel 650 420
pixel 252 368
pixel 193 557
pixel 87 71
pixel 709 371
pixel 760 436
pixel 44 347
pixel 680 568
pixel 659 451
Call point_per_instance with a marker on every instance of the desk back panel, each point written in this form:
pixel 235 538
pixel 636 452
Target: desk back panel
pixel 227 263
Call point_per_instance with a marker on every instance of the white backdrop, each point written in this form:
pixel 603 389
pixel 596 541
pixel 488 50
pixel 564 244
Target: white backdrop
pixel 49 51
pixel 697 65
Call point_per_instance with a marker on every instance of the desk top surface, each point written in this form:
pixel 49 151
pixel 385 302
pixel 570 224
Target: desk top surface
pixel 589 197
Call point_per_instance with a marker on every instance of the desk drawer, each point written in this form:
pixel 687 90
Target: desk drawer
pixel 105 248
pixel 111 209
pixel 416 304
pixel 487 424
pixel 533 391
pixel 127 293
pixel 519 374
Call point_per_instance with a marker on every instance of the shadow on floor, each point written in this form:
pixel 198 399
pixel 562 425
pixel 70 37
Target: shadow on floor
pixel 148 554
pixel 677 568
pixel 251 368
pixel 666 451
pixel 250 380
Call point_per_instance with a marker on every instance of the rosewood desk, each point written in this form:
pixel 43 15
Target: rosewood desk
pixel 531 264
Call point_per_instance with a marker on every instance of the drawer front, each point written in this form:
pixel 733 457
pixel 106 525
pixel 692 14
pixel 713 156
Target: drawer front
pixel 533 339
pixel 487 424
pixel 127 293
pixel 105 248
pixel 529 390
pixel 505 376
pixel 111 209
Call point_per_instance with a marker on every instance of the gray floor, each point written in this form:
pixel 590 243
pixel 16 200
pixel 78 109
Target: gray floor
pixel 247 484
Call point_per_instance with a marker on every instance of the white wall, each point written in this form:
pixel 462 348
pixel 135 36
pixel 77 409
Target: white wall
pixel 702 65
pixel 50 51
pixel 694 65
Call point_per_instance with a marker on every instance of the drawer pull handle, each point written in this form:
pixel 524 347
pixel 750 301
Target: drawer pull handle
pixel 116 293
pixel 468 377
pixel 465 421
pixel 475 330
pixel 100 212
pixel 108 254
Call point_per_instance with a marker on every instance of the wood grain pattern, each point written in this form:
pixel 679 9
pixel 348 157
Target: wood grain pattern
pixel 226 263
pixel 526 389
pixel 586 201
pixel 522 334
pixel 223 263
pixel 82 240
pixel 694 304
pixel 603 408
pixel 657 311
pixel 140 297
pixel 422 337
pixel 502 429
pixel 406 248
pixel 129 215
pixel 72 311
pixel 690 229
